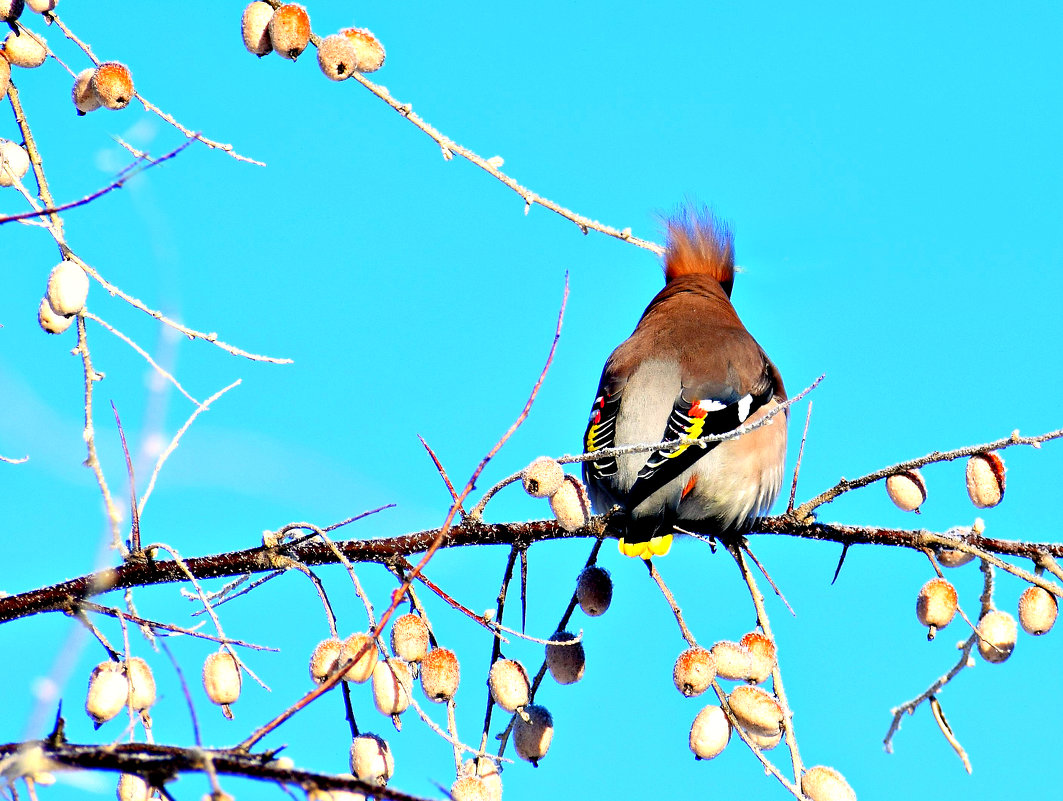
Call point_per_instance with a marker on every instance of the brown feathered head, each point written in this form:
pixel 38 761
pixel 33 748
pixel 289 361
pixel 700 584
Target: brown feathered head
pixel 700 243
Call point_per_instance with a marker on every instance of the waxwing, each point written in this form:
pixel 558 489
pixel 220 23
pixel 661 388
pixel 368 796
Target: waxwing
pixel 689 369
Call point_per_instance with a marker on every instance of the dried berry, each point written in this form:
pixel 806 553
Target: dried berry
pixel 756 709
pixel 765 742
pixel 1037 610
pixel 221 680
pixel 907 490
pixel 487 769
pixel 5 76
pixel 141 683
pixel 68 288
pixel 113 85
pixel 532 737
pixel 693 673
pixel 409 637
pixel 997 633
pixel 108 692
pixel 469 788
pixel 509 684
pixel 594 590
pixel 50 321
pixel 25 49
pixel 42 6
pixel 543 477
pixel 371 759
pixel 370 53
pixel 936 605
pixel 323 660
pixel 569 504
pixel 289 30
pixel 392 681
pixel 710 732
pixel 83 94
pixel 950 557
pixel 440 675
pixel 565 661
pixel 132 788
pixel 985 479
pixel 826 784
pixel 11 10
pixel 254 27
pixel 733 660
pixel 762 655
pixel 362 649
pixel 336 57
pixel 14 162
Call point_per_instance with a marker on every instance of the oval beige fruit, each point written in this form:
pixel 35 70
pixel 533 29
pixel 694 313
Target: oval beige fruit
pixel 360 648
pixel 755 709
pixel 510 687
pixel 907 490
pixel 569 504
pixel 409 637
pixel 936 605
pixel 113 84
pixel 594 590
pixel 985 479
pixel 391 686
pixel 762 655
pixel 1037 610
pixel 997 633
pixel 694 670
pixel 733 660
pixel 325 659
pixel 532 736
pixel 543 477
pixel 710 732
pixel 440 675
pixel 821 783
pixel 371 759
pixel 254 28
pixel 289 30
pixel 565 657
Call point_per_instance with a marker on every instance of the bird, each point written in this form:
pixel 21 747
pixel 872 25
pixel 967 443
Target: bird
pixel 689 369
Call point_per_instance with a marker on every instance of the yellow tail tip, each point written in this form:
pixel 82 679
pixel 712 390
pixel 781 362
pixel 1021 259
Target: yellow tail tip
pixel 657 546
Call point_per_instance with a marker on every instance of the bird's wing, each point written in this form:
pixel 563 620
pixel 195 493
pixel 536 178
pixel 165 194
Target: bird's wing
pixel 699 411
pixel 601 430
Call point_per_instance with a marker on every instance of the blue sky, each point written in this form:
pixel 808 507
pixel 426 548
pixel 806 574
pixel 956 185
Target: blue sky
pixel 895 183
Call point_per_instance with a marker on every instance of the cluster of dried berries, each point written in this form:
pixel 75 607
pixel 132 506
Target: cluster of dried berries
pixel 286 30
pixel 392 682
pixel 114 686
pixel 545 478
pixel 985 483
pixel 997 630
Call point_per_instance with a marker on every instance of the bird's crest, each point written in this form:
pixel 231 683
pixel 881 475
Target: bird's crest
pixel 700 243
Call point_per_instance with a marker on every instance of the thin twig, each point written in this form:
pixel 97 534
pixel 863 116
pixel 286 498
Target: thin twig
pixel 90 606
pixel 777 684
pixel 800 455
pixel 442 473
pixel 147 357
pixel 845 485
pixel 212 338
pixel 134 537
pixel 89 434
pixel 496 644
pixel 118 183
pixel 177 438
pixel 686 632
